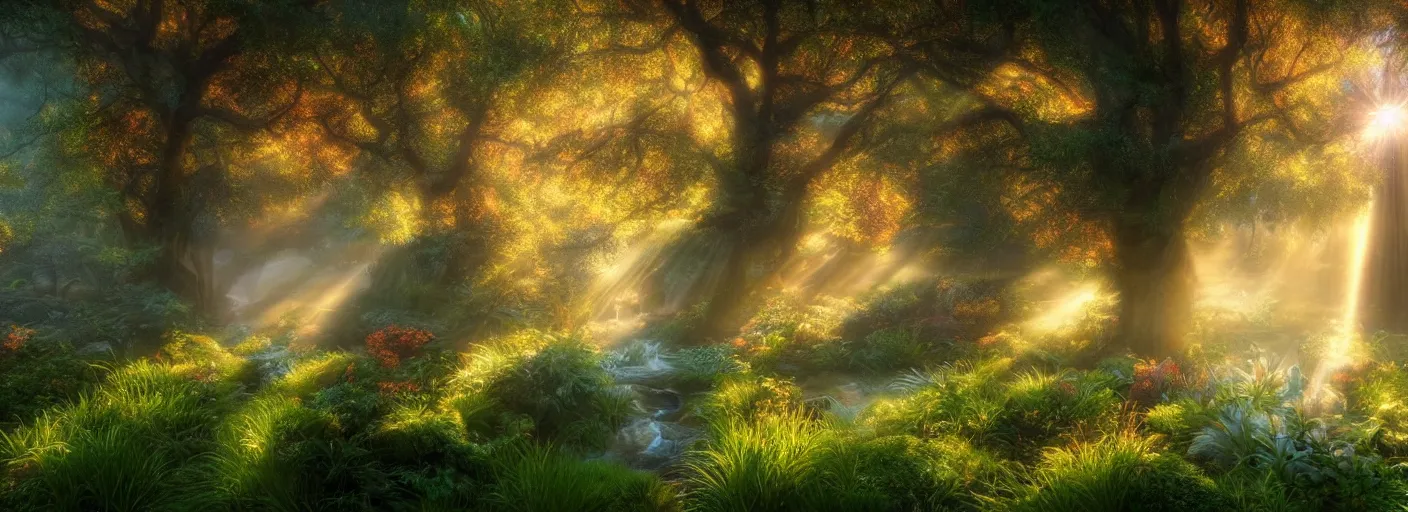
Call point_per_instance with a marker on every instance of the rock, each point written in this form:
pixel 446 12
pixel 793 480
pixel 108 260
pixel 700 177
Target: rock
pixel 96 348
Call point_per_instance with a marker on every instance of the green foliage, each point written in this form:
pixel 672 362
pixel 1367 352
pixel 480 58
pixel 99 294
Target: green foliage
pixel 534 478
pixel 702 367
pixel 748 397
pixel 252 345
pixel 556 382
pixel 1178 421
pixel 890 349
pixel 962 399
pixel 1042 406
pixel 126 317
pixel 906 473
pixel 1116 473
pixel 1383 396
pixel 40 375
pixel 122 446
pixel 1019 417
pixel 309 376
pixel 203 354
pixel 767 464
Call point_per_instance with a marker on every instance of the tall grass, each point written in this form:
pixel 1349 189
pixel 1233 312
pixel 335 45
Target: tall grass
pixel 1113 474
pixel 533 478
pixel 770 463
pixel 127 445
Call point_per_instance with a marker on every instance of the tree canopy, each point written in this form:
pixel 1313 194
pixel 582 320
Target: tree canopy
pixel 505 160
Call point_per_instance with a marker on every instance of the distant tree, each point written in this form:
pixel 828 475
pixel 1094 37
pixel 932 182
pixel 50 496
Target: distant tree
pixel 153 80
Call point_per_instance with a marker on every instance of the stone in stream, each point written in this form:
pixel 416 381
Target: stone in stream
pixel 651 439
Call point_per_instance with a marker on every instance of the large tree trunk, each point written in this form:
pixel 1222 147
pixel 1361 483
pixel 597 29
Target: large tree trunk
pixel 1154 276
pixel 720 317
pixel 1385 279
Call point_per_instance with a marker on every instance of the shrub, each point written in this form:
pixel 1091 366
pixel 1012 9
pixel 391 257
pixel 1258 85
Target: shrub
pixel 1383 396
pixel 40 375
pixel 429 460
pixel 355 405
pixel 702 367
pixel 309 376
pixel 557 382
pixel 890 349
pixel 1153 380
pixel 252 345
pixel 278 455
pixel 1236 434
pixel 391 344
pixel 1179 421
pixel 1259 491
pixel 15 340
pixel 1040 406
pixel 204 358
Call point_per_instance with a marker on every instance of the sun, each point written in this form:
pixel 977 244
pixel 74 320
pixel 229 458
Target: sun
pixel 1385 121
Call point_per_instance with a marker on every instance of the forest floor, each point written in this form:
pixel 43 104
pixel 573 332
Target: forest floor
pixel 933 395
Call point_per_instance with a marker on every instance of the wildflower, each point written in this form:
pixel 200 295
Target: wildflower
pixel 396 388
pixel 393 343
pixel 1152 379
pixel 16 338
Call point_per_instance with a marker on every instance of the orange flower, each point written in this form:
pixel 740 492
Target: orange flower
pixel 16 338
pixel 396 388
pixel 1152 379
pixel 393 343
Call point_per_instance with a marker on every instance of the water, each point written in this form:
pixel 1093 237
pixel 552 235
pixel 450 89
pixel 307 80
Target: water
pixel 657 435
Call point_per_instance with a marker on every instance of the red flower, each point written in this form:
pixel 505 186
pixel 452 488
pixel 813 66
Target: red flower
pixel 393 343
pixel 1152 379
pixel 16 339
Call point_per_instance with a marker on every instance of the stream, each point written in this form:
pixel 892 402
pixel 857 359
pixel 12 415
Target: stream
pixel 660 431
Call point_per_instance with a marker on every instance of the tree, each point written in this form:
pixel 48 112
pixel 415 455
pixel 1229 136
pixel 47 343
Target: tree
pixel 798 86
pixel 1168 103
pixel 154 78
pixel 423 93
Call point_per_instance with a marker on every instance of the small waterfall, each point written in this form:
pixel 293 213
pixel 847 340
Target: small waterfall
pixel 654 438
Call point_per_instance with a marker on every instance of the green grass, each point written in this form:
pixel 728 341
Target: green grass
pixel 1114 474
pixel 532 478
pixel 556 383
pixel 519 424
pixel 769 463
pixel 128 445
